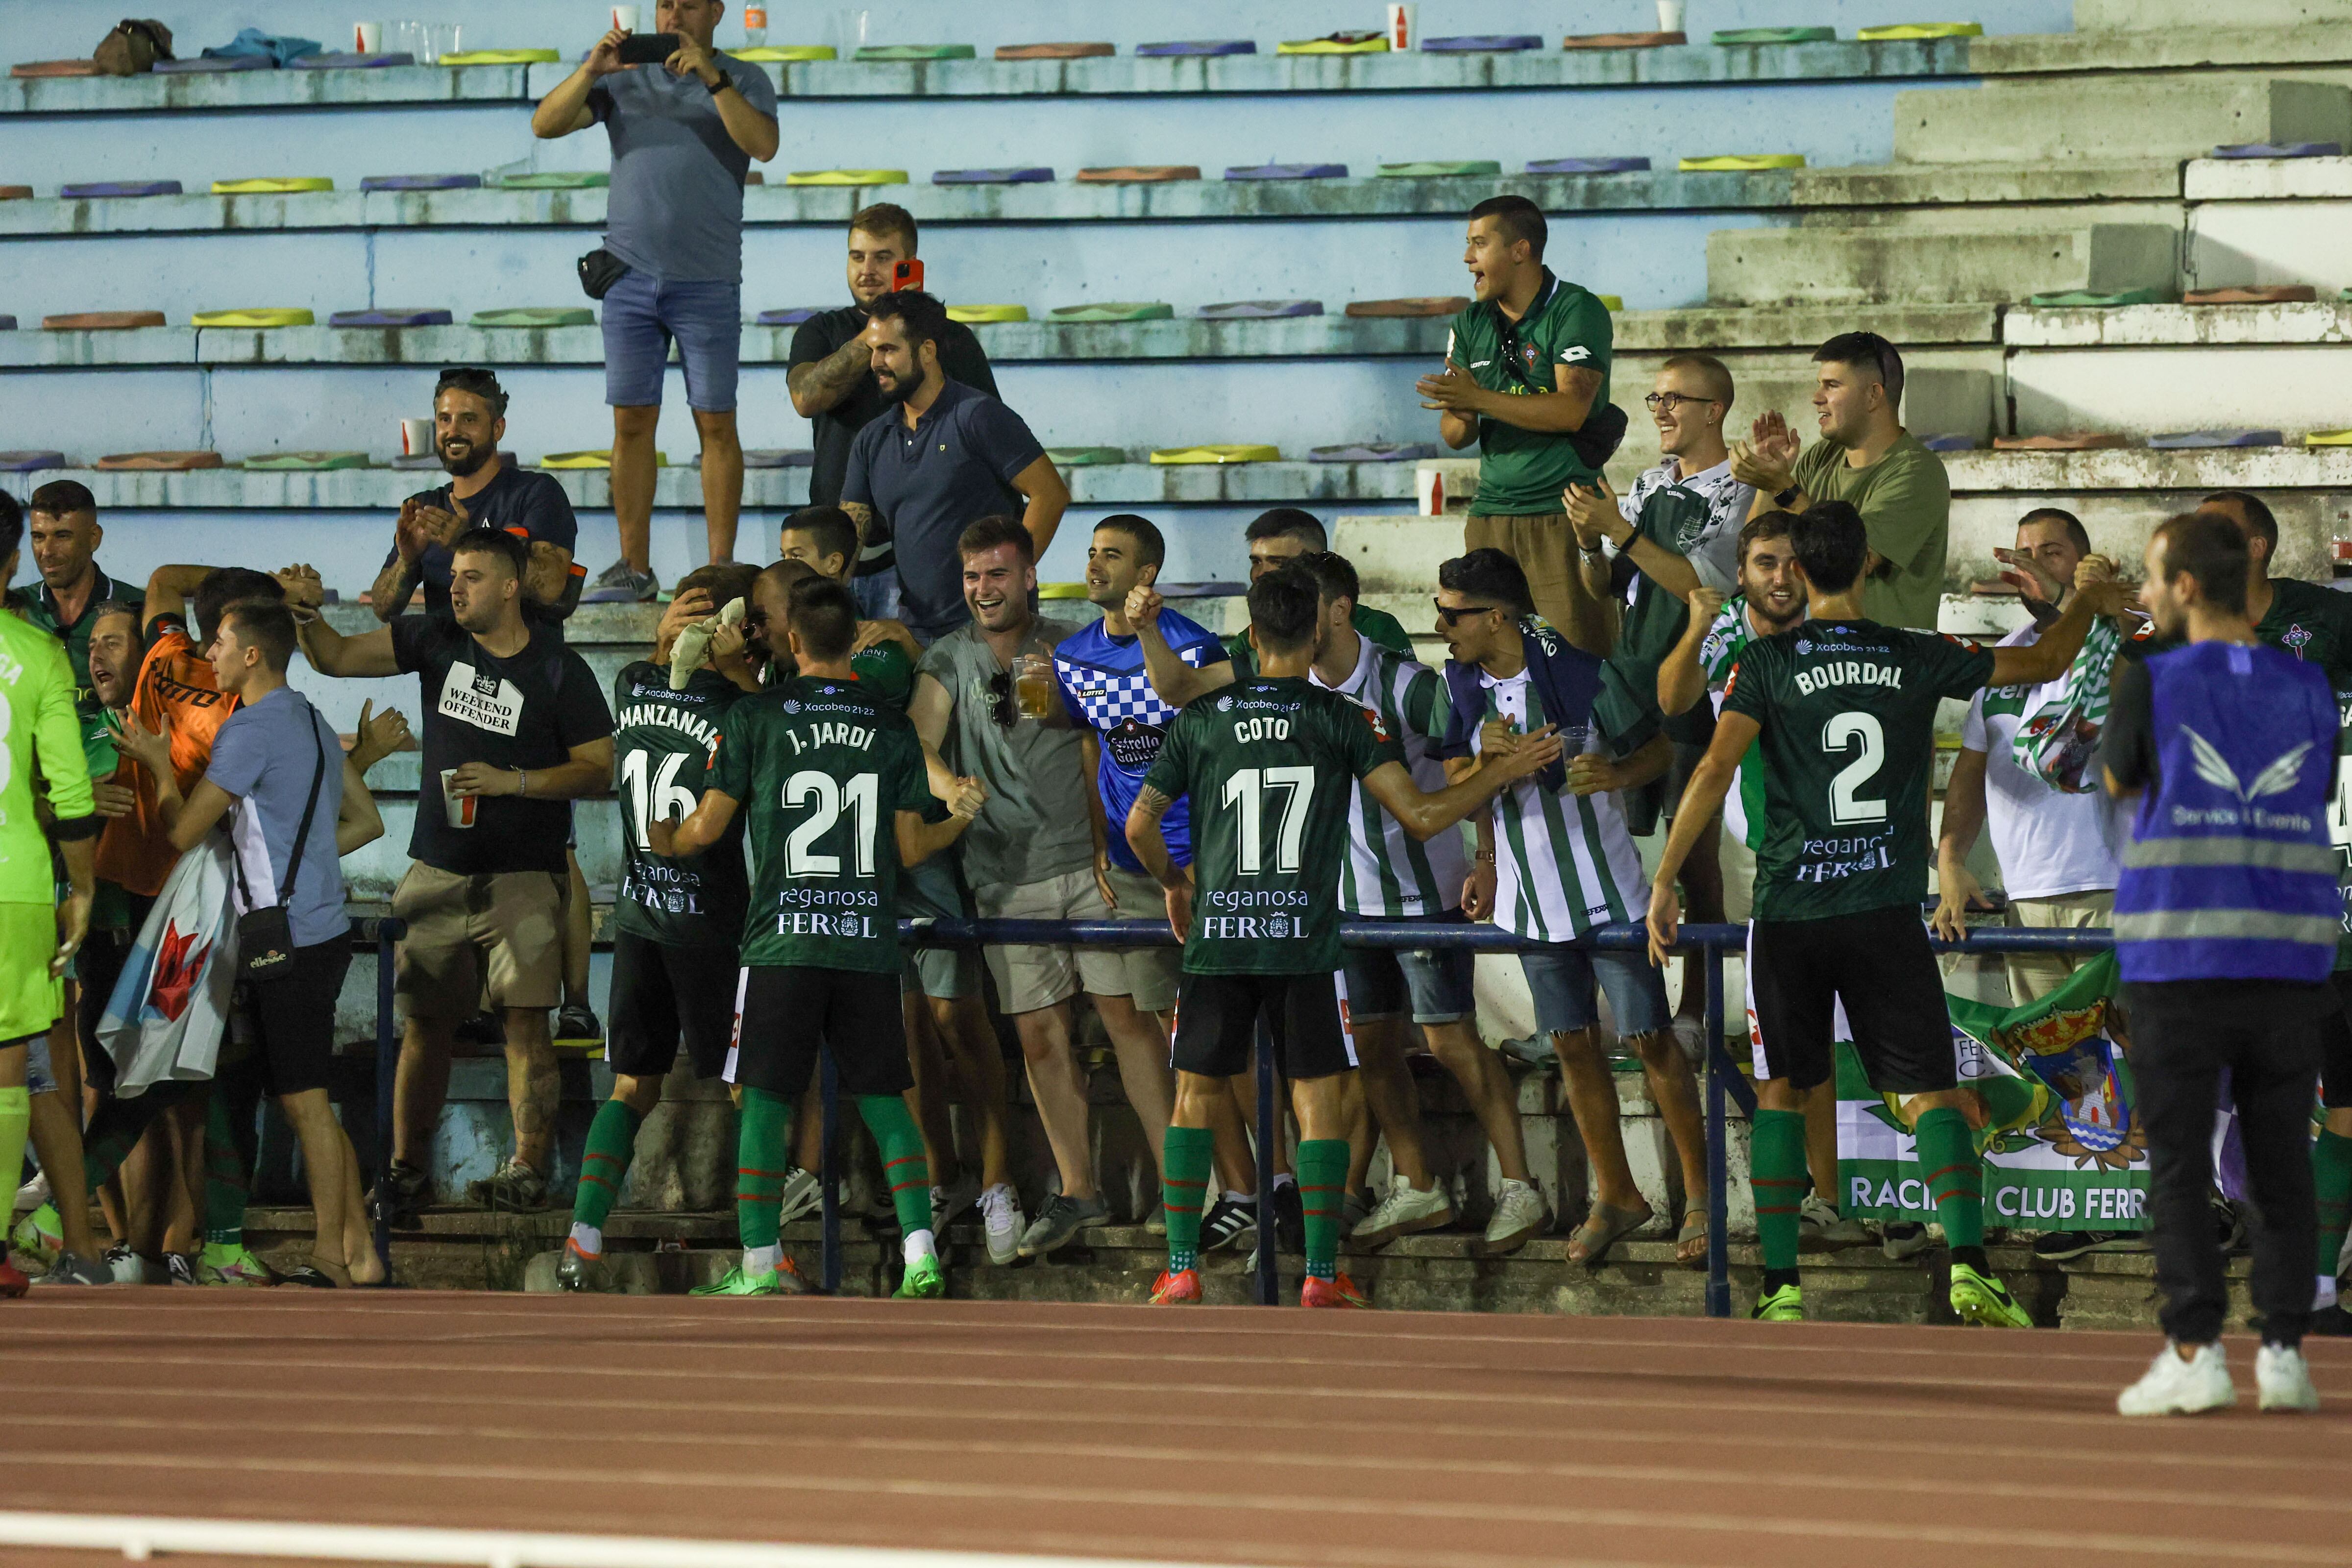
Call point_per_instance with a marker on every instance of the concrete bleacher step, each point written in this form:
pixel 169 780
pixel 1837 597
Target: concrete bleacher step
pixel 1872 265
pixel 2196 17
pixel 2136 117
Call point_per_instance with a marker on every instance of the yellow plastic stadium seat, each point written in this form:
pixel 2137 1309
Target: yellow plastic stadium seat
pixel 972 315
pixel 1239 452
pixel 2329 438
pixel 1337 44
pixel 1902 30
pixel 503 57
pixel 1610 301
pixel 261 317
pixel 846 177
pixel 271 187
pixel 786 54
pixel 599 459
pixel 1739 161
pixel 1061 590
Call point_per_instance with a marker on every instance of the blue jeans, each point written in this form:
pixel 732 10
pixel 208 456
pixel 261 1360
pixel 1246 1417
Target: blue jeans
pixel 1562 979
pixel 641 317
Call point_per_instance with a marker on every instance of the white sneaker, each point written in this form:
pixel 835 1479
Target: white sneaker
pixel 33 1194
pixel 801 1197
pixel 2177 1388
pixel 1819 1226
pixel 2282 1380
pixel 1404 1211
pixel 1000 1215
pixel 1519 1213
pixel 949 1202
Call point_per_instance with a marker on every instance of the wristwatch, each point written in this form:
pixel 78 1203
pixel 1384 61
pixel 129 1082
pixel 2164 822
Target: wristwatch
pixel 1783 498
pixel 722 84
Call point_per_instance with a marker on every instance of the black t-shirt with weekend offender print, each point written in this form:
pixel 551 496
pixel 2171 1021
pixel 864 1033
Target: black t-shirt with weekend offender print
pixel 527 711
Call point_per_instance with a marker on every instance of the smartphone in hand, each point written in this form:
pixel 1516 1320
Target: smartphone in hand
pixel 907 274
pixel 648 48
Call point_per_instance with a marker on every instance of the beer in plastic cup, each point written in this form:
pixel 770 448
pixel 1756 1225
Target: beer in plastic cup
pixel 1402 23
pixel 415 437
pixel 367 37
pixel 1033 684
pixel 459 807
pixel 1670 15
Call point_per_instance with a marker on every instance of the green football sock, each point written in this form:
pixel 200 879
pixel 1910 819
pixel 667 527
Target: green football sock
pixel 1187 1155
pixel 1776 1170
pixel 15 1126
pixel 611 1139
pixel 2331 1175
pixel 1322 1187
pixel 1948 1153
pixel 904 1166
pixel 226 1186
pixel 759 1165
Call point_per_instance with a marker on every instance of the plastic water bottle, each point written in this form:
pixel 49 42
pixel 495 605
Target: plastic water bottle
pixel 755 26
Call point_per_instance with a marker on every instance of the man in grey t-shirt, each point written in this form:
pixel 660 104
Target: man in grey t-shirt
pixel 684 133
pixel 1030 855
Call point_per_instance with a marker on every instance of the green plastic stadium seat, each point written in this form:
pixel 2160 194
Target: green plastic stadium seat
pixel 529 316
pixel 1139 311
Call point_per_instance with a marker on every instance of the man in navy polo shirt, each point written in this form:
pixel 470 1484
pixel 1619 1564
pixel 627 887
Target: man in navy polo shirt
pixel 939 460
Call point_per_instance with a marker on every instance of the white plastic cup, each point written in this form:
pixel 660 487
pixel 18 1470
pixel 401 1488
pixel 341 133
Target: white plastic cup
pixel 625 17
pixel 1402 22
pixel 460 808
pixel 415 437
pixel 1429 485
pixel 1670 15
pixel 367 37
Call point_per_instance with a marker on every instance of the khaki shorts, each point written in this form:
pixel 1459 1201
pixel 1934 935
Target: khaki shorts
pixel 1545 548
pixel 1029 978
pixel 506 928
pixel 2033 975
pixel 1153 973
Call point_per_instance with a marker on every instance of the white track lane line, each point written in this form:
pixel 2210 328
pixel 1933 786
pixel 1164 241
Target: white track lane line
pixel 140 1537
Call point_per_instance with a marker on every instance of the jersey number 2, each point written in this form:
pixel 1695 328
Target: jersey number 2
pixel 1843 732
pixel 830 795
pixel 1245 790
pixel 664 800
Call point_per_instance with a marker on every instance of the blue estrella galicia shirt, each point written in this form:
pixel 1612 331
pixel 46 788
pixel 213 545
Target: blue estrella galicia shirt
pixel 1106 690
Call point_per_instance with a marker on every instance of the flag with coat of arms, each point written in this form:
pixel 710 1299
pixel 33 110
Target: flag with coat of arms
pixel 165 1021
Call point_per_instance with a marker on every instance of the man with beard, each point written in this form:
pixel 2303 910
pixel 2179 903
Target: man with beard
pixel 1030 856
pixel 942 457
pixel 62 530
pixel 515 727
pixel 486 489
pixel 1771 599
pixel 831 379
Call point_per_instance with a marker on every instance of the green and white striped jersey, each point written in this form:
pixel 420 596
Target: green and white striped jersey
pixel 1563 862
pixel 1726 638
pixel 1389 872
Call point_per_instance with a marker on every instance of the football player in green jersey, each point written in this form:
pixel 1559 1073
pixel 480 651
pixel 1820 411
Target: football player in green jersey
pixel 1844 710
pixel 1267 762
pixel 675 924
pixel 819 767
pixel 38 933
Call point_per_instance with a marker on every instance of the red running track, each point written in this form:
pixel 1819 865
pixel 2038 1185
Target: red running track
pixel 1216 1435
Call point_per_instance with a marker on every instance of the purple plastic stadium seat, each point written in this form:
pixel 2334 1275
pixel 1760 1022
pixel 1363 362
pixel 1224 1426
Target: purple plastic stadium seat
pixel 1587 165
pixel 1481 44
pixel 120 189
pixel 421 183
pixel 991 176
pixel 347 62
pixel 390 316
pixel 1196 49
pixel 26 462
pixel 1260 310
pixel 2280 150
pixel 792 318
pixel 1289 171
pixel 214 64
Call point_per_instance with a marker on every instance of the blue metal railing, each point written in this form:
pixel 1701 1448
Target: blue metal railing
pixel 1723 1077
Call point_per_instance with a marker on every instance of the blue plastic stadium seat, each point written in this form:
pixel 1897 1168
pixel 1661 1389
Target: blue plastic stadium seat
pixel 1193 49
pixel 1587 165
pixel 421 183
pixel 1289 171
pixel 991 176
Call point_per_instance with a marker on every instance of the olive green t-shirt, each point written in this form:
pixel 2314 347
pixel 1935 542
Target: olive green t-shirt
pixel 1906 502
pixel 1521 472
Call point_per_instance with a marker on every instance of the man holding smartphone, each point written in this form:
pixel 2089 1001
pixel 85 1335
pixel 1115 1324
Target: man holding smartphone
pixel 684 133
pixel 831 378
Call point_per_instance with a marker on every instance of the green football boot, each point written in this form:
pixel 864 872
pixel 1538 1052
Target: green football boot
pixel 1785 1304
pixel 924 1281
pixel 1980 1298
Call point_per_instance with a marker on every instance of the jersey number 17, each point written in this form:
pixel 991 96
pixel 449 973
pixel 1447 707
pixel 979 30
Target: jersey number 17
pixel 1246 792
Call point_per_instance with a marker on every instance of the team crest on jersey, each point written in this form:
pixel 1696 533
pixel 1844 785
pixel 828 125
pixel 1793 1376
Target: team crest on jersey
pixel 2296 638
pixel 1278 925
pixel 1529 355
pixel 1379 730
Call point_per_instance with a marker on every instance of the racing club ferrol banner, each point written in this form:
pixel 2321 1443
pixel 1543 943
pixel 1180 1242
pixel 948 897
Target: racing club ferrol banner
pixel 2062 1148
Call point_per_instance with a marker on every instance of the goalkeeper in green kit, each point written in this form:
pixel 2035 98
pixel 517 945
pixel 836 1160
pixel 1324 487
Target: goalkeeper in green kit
pixel 39 738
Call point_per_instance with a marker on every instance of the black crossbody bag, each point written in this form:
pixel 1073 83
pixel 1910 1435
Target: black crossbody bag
pixel 265 937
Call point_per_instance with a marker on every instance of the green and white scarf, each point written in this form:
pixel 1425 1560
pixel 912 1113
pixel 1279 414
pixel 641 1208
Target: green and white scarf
pixel 2057 740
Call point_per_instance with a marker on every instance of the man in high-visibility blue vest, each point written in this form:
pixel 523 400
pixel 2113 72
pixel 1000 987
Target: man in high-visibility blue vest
pixel 2226 921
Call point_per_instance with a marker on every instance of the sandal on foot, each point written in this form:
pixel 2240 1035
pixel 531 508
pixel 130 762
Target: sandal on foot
pixel 1690 1242
pixel 1600 1231
pixel 308 1274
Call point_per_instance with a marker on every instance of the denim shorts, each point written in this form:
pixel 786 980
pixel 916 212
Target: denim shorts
pixel 40 1071
pixel 1437 981
pixel 1562 977
pixel 641 319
